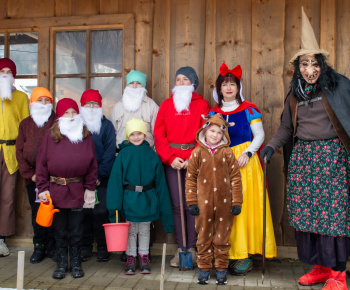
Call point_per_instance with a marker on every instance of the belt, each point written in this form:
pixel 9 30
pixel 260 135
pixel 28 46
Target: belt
pixel 8 142
pixel 306 103
pixel 139 188
pixel 183 146
pixel 64 181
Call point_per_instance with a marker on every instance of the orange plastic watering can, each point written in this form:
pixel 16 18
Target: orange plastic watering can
pixel 45 213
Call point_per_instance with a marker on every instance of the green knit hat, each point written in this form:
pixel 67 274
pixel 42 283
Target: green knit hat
pixel 136 76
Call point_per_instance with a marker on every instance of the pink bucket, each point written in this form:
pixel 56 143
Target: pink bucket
pixel 116 236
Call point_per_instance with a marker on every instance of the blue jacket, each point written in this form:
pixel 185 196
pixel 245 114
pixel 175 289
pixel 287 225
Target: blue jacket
pixel 105 148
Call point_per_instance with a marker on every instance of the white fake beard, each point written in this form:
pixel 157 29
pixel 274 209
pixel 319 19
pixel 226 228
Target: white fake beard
pixel 132 98
pixel 40 113
pixel 72 128
pixel 92 118
pixel 182 97
pixel 6 83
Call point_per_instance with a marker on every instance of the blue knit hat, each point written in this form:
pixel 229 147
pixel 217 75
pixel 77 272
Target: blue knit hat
pixel 136 76
pixel 190 73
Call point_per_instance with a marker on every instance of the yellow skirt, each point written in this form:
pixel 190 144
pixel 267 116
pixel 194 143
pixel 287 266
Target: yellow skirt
pixel 247 231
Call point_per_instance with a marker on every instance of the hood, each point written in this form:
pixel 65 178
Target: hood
pixel 218 120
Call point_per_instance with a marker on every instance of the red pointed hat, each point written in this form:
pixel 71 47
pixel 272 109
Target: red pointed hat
pixel 91 96
pixel 6 62
pixel 236 71
pixel 64 104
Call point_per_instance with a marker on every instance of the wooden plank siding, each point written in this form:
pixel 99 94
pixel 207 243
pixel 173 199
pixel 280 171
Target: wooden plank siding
pixel 260 35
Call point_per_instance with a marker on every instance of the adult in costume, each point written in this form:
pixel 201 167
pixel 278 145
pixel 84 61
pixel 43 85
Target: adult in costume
pixel 66 170
pixel 178 120
pixel 31 133
pixel 134 104
pixel 246 138
pixel 103 135
pixel 13 109
pixel 316 115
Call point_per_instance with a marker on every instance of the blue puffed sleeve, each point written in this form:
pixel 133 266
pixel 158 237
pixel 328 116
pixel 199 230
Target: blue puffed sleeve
pixel 252 114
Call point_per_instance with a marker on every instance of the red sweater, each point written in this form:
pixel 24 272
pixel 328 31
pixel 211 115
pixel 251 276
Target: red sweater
pixel 180 128
pixel 68 160
pixel 28 143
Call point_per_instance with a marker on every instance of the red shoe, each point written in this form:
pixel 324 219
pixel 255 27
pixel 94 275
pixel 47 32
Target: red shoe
pixel 336 281
pixel 318 274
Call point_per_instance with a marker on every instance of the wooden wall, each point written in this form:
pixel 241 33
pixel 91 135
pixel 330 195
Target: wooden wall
pixel 260 35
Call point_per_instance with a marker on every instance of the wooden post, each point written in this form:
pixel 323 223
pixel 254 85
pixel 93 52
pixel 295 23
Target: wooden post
pixel 162 268
pixel 20 270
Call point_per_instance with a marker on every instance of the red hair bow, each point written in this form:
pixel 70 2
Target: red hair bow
pixel 236 71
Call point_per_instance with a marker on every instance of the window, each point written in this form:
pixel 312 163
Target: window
pixel 22 48
pixel 88 59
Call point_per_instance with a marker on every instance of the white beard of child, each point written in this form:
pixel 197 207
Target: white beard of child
pixel 40 113
pixel 132 98
pixel 6 83
pixel 182 97
pixel 72 128
pixel 92 118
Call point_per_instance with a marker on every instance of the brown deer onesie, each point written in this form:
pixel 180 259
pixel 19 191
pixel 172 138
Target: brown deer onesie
pixel 213 182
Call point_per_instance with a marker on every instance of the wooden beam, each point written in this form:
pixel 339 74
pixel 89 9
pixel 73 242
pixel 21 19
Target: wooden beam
pixel 189 35
pixel 161 49
pixel 63 8
pixel 143 10
pixel 343 38
pixel 210 72
pixel 43 57
pixel 109 6
pixel 234 38
pixel 328 28
pixel 267 89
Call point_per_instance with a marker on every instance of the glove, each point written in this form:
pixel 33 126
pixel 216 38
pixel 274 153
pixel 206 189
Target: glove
pixel 43 197
pixel 236 210
pixel 89 199
pixel 268 151
pixel 193 209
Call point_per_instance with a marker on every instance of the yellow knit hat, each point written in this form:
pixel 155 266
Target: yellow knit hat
pixel 135 125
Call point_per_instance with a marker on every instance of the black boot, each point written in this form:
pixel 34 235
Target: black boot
pixel 62 264
pixel 75 263
pixel 85 253
pixel 102 253
pixel 38 254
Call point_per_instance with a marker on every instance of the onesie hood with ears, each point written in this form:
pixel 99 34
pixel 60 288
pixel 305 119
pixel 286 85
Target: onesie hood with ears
pixel 214 119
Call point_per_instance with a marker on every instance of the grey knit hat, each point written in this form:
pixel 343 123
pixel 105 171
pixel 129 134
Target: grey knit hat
pixel 190 73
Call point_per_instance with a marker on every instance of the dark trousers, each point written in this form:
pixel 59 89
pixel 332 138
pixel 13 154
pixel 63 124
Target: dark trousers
pixel 95 218
pixel 68 227
pixel 42 235
pixel 191 235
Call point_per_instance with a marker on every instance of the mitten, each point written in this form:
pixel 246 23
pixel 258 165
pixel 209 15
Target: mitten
pixel 193 209
pixel 43 197
pixel 89 199
pixel 236 209
pixel 268 151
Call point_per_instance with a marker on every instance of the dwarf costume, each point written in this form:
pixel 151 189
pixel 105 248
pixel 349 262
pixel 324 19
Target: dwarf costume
pixel 123 112
pixel 213 182
pixel 28 143
pixel 105 148
pixel 315 122
pixel 175 136
pixel 12 112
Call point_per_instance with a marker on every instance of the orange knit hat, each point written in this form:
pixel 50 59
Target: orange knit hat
pixel 40 92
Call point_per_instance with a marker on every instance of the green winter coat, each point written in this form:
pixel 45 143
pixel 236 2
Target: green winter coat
pixel 139 165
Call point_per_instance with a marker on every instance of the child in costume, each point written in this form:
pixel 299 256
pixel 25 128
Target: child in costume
pixel 246 138
pixel 214 195
pixel 138 188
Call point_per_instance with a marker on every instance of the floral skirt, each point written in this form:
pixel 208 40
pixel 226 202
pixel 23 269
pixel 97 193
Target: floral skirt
pixel 318 188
